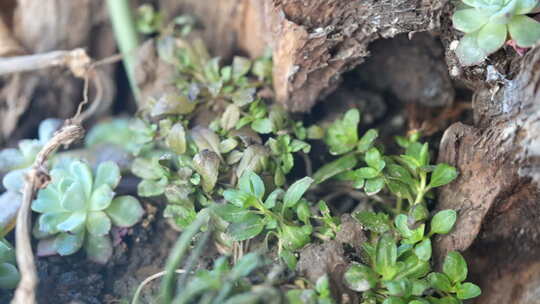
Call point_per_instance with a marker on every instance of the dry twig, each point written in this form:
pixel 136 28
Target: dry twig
pixel 36 179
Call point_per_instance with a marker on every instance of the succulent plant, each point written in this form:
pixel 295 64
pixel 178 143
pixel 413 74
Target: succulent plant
pixel 9 275
pixel 488 24
pixel 78 210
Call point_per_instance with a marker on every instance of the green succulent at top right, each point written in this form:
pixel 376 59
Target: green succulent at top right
pixel 488 23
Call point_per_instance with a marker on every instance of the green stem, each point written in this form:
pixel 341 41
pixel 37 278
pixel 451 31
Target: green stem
pixel 126 37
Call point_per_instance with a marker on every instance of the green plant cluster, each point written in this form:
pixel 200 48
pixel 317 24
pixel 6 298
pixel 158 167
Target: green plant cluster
pixel 284 214
pixel 9 275
pixel 488 24
pixel 396 266
pixel 78 208
pixel 193 163
pixel 409 176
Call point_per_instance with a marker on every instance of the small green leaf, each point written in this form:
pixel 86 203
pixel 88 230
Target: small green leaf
pixel 9 276
pixel 240 66
pixel 492 37
pixel 439 281
pixel 173 103
pixel 68 243
pixel 83 174
pixel 423 250
pixel 295 237
pixel 253 159
pixel 296 191
pixel 74 197
pixel 418 288
pixel 342 135
pixel 272 198
pixel 469 20
pixel 237 197
pixel 386 256
pixel 366 142
pixel 374 159
pixel 366 173
pixel 206 163
pixel 147 169
pixel 176 139
pixel 455 267
pixel 231 213
pixel 125 211
pixel 418 213
pixel 334 168
pixel 468 291
pixel 289 258
pixel 376 222
pixel 252 183
pixel 443 221
pixel 98 248
pixel 244 96
pixel 374 185
pixel 98 223
pixel 247 229
pixel 524 30
pixel 468 50
pixel 262 126
pixel 360 278
pixel 182 215
pixel 442 175
pixel 230 117
pixel 108 173
pixel 73 223
pixel 399 288
pixel 149 188
pixel 101 198
pixel 205 139
pixel 303 212
pixel 402 227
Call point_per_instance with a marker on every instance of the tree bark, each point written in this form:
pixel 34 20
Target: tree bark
pixel 497 193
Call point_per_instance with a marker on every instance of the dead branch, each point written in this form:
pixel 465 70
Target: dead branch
pixel 76 60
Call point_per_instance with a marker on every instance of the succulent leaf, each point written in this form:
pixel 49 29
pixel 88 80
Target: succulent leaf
pixel 125 211
pixel 98 223
pixel 74 198
pixel 524 30
pixel 98 248
pixel 492 37
pixel 108 173
pixel 68 243
pixel 73 223
pixel 469 20
pixel 468 50
pixel 101 198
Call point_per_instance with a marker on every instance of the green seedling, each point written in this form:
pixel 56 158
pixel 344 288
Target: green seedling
pixel 396 264
pixel 488 24
pixel 78 208
pixel 284 214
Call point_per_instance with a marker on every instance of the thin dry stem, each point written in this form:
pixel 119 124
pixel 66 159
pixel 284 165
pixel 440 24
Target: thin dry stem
pixel 37 178
pixel 76 60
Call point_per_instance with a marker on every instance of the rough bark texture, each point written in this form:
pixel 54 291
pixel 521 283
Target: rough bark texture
pixel 497 194
pixel 42 26
pixel 313 41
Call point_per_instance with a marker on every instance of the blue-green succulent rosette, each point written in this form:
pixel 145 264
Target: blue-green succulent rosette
pixel 488 24
pixel 78 209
